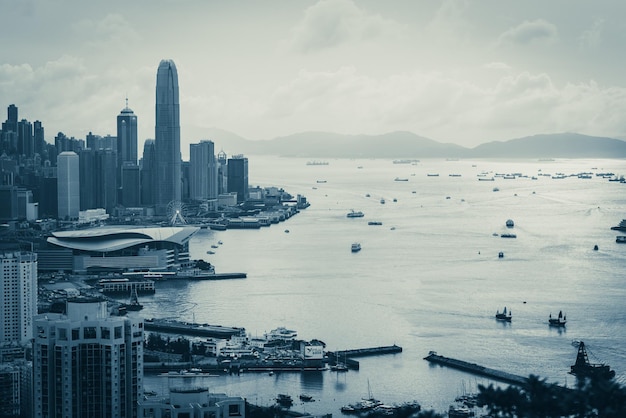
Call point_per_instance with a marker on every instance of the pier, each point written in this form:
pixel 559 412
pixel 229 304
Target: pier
pixel 347 356
pixel 476 369
pixel 184 328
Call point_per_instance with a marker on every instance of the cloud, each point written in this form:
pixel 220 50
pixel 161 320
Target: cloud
pixel 111 29
pixel 591 37
pixel 329 23
pixel 444 108
pixel 530 32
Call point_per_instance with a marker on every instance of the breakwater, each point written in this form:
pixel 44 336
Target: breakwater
pixel 347 356
pixel 476 369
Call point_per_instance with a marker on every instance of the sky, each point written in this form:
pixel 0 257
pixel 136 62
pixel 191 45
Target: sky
pixel 459 71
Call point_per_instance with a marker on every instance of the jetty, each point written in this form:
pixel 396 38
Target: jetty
pixel 347 356
pixel 476 369
pixel 186 328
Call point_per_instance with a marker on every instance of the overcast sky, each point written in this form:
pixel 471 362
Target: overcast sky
pixel 465 72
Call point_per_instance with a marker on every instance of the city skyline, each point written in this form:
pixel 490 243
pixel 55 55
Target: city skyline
pixel 465 73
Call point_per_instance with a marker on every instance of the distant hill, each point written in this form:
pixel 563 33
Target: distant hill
pixel 404 144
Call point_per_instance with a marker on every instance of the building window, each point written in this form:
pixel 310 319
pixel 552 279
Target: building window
pixel 89 333
pixel 233 410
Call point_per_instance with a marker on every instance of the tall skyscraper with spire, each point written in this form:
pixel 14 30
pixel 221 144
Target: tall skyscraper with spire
pixel 167 136
pixel 127 184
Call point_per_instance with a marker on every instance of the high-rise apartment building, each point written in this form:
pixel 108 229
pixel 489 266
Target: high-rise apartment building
pixel 87 363
pixel 167 136
pixel 202 171
pixel 68 184
pixel 18 292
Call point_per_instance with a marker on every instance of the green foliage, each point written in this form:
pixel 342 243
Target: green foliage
pixel 591 398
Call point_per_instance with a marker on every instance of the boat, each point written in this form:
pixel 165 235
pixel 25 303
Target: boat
pixel 355 214
pixel 620 227
pixel 400 179
pixel 583 368
pixel 134 304
pixel 374 223
pixel 500 254
pixel 382 201
pixel 504 315
pixel 317 163
pixel 495 189
pixel 321 181
pixel 510 223
pixel 559 321
pixel 620 239
pixel 454 175
pixel 364 405
pixel 284 400
pixel 356 247
pixel 339 367
pixel 210 252
pixel 508 236
pixel 432 175
pixel 459 411
pixel 306 397
pixel 486 179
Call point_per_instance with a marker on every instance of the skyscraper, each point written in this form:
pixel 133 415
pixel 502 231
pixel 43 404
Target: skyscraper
pixel 126 136
pixel 87 363
pixel 18 287
pixel 238 177
pixel 68 184
pixel 127 156
pixel 203 171
pixel 167 136
pixel 148 181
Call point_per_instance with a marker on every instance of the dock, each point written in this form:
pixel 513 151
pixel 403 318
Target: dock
pixel 185 328
pixel 476 369
pixel 347 356
pixel 209 276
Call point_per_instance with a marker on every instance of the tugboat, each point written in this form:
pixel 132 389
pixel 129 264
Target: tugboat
pixel 583 368
pixel 504 315
pixel 558 321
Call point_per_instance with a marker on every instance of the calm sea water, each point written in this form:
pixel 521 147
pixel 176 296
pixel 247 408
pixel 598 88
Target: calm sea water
pixel 429 278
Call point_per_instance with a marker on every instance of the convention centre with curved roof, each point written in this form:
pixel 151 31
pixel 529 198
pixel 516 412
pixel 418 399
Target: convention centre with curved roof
pixel 118 248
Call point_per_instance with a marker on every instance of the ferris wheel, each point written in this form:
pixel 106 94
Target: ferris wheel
pixel 175 210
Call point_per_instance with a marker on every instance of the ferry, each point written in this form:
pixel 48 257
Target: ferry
pixel 620 239
pixel 355 214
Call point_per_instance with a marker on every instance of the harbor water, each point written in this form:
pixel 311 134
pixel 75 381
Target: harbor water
pixel 428 278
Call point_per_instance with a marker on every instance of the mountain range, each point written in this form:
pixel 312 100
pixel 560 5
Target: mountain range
pixel 404 144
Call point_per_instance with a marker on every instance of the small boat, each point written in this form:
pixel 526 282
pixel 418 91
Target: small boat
pixel 134 304
pixel 356 247
pixel 559 321
pixel 510 223
pixel 220 242
pixel 508 236
pixel 321 181
pixel 459 411
pixel 210 252
pixel 339 367
pixel 504 315
pixel 284 400
pixel 500 254
pixel 495 189
pixel 382 201
pixel 620 239
pixel 306 397
pixel 583 368
pixel 400 179
pixel 214 246
pixel 432 175
pixel 355 214
pixel 286 231
pixel 374 223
